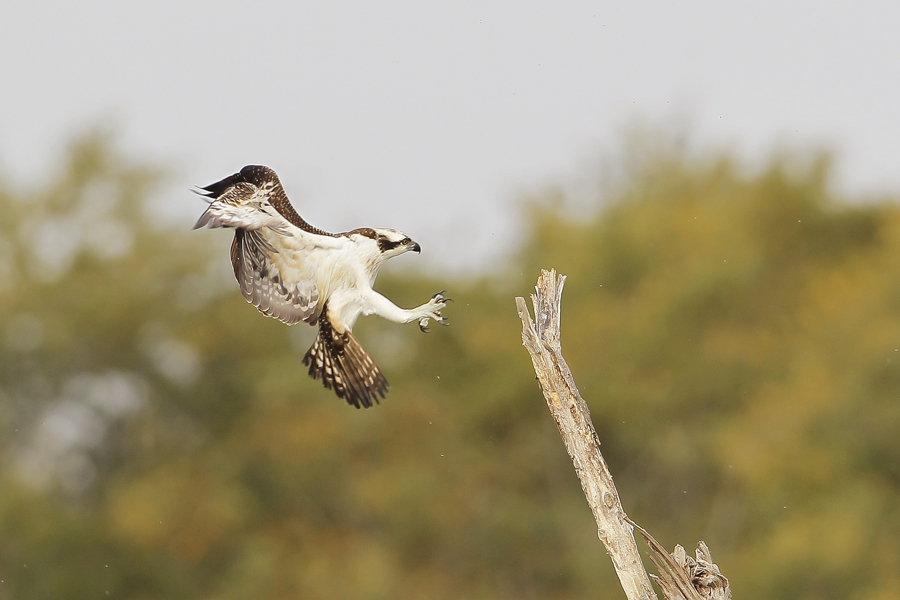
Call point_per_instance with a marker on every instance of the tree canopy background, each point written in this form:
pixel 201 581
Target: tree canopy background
pixel 736 333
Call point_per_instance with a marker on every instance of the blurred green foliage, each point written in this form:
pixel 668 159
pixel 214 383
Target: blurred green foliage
pixel 737 337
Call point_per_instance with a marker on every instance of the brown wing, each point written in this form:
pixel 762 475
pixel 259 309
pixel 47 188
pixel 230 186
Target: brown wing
pixel 254 184
pixel 288 299
pixel 274 252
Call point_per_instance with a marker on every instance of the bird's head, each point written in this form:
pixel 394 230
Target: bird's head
pixel 394 243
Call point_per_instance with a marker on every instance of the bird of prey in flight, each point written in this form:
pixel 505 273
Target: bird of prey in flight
pixel 295 272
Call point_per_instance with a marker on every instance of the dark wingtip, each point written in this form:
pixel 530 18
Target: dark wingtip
pixel 257 174
pixel 203 193
pixel 254 174
pixel 254 169
pixel 214 190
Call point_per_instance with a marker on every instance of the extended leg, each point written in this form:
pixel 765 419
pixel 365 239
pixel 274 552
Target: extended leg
pixel 376 304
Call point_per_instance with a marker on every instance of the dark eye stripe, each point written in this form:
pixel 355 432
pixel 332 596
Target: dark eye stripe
pixel 385 244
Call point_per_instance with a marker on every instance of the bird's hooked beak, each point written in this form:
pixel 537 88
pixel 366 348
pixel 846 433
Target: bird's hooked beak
pixel 415 247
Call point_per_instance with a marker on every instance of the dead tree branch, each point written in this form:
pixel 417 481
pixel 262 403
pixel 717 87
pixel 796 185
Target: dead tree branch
pixel 569 410
pixel 681 577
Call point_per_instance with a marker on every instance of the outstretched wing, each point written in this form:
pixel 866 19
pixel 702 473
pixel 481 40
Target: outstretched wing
pixel 275 253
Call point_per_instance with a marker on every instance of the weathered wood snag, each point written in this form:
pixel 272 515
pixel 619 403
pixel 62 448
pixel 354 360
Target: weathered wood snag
pixel 681 576
pixel 569 410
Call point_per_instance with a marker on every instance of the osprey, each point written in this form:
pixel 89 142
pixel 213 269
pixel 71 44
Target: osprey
pixel 295 272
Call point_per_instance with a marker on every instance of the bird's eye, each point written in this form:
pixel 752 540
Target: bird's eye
pixel 406 241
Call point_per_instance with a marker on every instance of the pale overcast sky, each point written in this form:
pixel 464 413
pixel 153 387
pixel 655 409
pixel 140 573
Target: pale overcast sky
pixel 431 116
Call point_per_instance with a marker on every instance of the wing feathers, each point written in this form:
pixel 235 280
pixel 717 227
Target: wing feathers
pixel 263 285
pixel 249 199
pixel 242 205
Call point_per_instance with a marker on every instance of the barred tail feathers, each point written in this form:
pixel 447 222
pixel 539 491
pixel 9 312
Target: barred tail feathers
pixel 344 366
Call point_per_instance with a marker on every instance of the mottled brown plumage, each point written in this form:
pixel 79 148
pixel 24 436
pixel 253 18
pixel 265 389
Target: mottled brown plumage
pixel 342 365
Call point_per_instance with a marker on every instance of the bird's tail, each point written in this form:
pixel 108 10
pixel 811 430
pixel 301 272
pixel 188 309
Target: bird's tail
pixel 344 366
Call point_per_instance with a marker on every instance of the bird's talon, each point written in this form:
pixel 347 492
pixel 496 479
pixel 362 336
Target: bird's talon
pixel 437 303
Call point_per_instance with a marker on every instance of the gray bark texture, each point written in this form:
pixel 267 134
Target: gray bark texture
pixel 681 577
pixel 541 338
